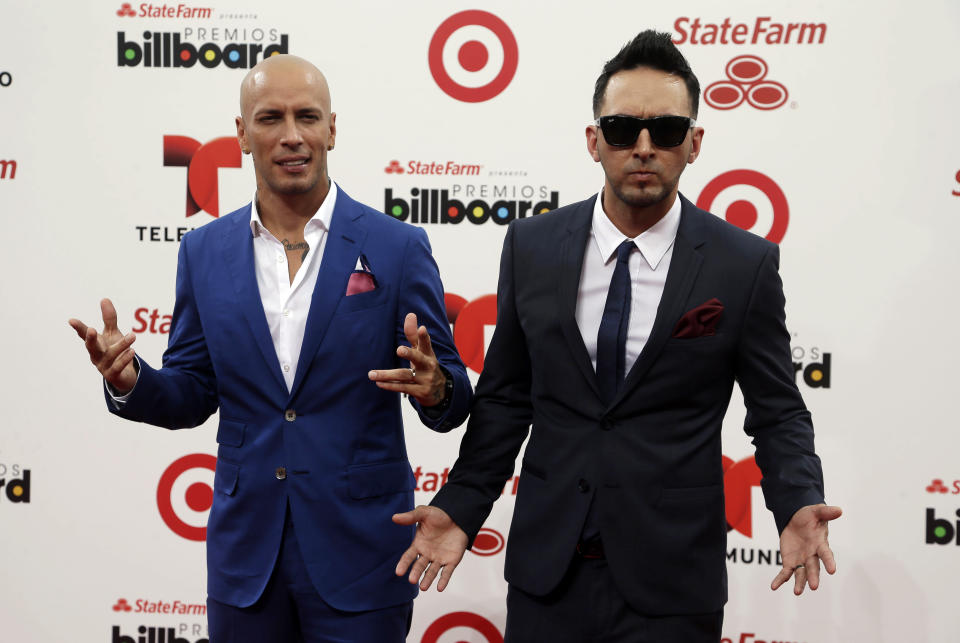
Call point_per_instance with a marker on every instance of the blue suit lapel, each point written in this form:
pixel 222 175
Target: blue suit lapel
pixel 237 250
pixel 340 253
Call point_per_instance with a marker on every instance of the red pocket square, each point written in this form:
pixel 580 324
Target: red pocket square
pixel 360 281
pixel 701 321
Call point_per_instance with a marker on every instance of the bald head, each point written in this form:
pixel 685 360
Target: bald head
pixel 280 73
pixel 286 124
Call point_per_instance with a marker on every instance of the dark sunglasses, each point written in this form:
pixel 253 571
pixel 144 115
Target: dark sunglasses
pixel 665 131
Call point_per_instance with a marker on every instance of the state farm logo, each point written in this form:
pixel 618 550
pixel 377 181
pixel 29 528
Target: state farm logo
pixel 164 11
pixel 202 161
pixel 473 56
pixel 148 320
pixel 763 30
pixel 8 169
pixel 465 625
pixel 746 81
pixel 938 486
pixel 434 168
pixel 185 495
pixel 488 542
pixel 147 606
pixel 737 194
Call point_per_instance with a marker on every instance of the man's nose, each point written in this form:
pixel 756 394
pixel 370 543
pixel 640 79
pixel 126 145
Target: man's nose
pixel 291 133
pixel 644 146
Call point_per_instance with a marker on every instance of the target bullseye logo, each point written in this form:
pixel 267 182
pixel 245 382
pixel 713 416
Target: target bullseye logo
pixel 475 623
pixel 473 56
pixel 488 542
pixel 738 191
pixel 746 80
pixel 185 495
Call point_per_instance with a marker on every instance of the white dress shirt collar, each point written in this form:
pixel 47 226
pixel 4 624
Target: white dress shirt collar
pixel 653 243
pixel 321 217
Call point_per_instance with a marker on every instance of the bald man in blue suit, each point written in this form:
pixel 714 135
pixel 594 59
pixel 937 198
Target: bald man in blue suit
pixel 288 316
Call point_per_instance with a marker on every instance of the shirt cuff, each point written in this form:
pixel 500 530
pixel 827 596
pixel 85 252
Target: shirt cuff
pixel 120 400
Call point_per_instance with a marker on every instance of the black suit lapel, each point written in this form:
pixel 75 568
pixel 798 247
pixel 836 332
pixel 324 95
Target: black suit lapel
pixel 684 268
pixel 572 251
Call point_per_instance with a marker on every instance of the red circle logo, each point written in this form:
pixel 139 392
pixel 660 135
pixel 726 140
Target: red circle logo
pixel 473 56
pixel 180 485
pixel 488 542
pixel 743 213
pixel 469 620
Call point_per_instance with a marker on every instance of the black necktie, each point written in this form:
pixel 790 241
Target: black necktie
pixel 612 337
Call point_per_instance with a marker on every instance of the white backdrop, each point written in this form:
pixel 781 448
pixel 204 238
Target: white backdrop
pixel 856 136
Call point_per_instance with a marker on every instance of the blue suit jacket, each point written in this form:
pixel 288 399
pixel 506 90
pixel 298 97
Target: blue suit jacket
pixel 339 437
pixel 651 457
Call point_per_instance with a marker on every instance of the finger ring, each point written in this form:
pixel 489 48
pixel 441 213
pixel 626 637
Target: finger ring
pixel 801 566
pixel 413 372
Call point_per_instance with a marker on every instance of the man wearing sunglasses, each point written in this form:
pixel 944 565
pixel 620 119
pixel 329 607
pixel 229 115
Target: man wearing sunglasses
pixel 623 323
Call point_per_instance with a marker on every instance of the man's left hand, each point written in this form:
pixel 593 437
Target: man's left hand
pixel 803 544
pixel 424 380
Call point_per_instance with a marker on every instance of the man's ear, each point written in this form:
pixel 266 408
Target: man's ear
pixel 242 136
pixel 592 135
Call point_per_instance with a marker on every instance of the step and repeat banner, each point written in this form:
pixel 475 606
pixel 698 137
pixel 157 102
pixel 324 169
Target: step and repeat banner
pixel 829 130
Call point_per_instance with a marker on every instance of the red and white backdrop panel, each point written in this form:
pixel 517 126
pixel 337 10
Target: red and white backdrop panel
pixel 829 129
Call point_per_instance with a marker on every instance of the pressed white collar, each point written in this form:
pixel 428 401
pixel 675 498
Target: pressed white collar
pixel 652 243
pixel 321 217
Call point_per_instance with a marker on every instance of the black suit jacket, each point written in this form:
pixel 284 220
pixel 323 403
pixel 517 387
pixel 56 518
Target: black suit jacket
pixel 651 458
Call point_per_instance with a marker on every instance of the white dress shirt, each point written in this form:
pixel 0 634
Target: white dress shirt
pixel 287 304
pixel 648 274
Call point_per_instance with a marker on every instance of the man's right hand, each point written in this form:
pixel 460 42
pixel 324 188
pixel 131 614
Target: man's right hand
pixel 437 548
pixel 110 350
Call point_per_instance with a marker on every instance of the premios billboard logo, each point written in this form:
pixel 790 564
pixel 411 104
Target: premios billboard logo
pixel 208 44
pixel 473 56
pixel 185 495
pixel 14 483
pixel 463 192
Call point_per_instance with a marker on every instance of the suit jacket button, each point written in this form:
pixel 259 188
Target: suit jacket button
pixel 290 415
pixel 281 473
pixel 583 486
